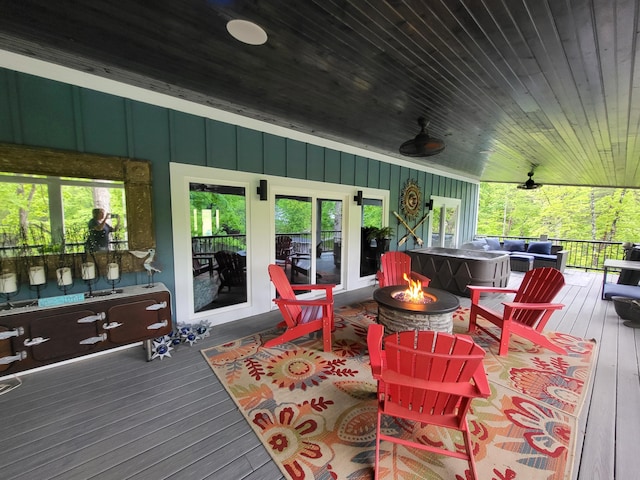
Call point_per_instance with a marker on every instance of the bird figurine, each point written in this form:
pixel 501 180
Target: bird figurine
pixel 149 254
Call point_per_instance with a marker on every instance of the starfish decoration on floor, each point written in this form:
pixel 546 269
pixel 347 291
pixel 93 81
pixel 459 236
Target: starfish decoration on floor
pixel 161 348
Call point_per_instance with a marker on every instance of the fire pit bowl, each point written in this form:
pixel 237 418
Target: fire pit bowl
pixel 397 315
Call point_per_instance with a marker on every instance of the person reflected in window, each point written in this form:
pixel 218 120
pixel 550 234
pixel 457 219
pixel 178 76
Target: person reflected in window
pixel 99 229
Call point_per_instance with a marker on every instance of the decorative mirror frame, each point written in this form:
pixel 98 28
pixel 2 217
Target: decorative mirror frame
pixel 135 174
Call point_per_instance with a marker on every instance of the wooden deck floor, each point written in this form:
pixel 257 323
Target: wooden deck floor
pixel 118 417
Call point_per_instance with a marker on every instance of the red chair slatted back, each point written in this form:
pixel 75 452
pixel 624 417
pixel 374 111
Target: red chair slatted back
pixel 437 357
pixel 539 285
pixel 291 313
pixel 394 266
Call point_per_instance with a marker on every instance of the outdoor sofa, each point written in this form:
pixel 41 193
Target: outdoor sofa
pixel 524 255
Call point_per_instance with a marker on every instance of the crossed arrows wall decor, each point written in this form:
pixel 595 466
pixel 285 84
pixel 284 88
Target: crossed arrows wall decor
pixel 412 231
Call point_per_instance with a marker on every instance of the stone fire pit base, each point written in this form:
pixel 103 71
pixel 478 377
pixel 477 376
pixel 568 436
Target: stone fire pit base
pixel 400 320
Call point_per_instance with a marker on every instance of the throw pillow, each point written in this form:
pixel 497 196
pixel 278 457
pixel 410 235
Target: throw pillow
pixel 494 243
pixel 540 247
pixel 479 244
pixel 514 245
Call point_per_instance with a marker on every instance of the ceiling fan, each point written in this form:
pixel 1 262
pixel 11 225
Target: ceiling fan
pixel 530 184
pixel 422 145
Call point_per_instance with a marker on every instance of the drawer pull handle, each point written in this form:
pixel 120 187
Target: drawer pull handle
pixel 157 306
pixel 12 333
pixel 158 326
pixel 15 358
pixel 92 318
pixel 111 325
pixel 92 340
pixel 32 342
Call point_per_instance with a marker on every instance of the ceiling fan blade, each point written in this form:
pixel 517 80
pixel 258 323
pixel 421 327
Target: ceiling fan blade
pixel 422 145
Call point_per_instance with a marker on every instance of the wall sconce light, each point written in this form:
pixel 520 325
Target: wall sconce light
pixel 358 197
pixel 429 204
pixel 262 190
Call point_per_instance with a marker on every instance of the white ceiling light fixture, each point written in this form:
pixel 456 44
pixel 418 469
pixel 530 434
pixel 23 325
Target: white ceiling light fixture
pixel 247 32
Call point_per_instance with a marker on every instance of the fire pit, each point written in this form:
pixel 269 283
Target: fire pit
pixel 397 313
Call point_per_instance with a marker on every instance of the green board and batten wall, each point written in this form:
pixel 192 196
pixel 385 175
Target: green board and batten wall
pixel 39 112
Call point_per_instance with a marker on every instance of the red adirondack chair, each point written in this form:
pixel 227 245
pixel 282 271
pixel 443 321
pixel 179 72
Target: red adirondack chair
pixel 301 317
pixel 427 377
pixel 393 267
pixel 529 311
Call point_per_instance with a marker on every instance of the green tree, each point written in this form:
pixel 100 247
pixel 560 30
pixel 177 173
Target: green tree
pixel 580 213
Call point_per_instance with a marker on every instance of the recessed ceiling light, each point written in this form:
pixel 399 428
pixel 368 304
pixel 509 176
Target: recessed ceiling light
pixel 247 32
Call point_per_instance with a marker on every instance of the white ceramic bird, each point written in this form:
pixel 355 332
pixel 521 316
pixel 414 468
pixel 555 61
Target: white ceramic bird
pixel 150 254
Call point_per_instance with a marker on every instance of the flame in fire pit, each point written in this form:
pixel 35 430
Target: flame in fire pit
pixel 414 294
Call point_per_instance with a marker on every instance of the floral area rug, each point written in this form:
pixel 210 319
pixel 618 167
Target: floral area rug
pixel 315 412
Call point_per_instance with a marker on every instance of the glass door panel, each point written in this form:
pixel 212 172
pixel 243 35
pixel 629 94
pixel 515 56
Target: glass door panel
pixel 293 242
pixel 371 218
pixel 436 216
pixel 450 227
pixel 328 241
pixel 445 217
pixel 218 245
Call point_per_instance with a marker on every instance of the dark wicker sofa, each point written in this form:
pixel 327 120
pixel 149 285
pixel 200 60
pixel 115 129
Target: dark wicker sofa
pixel 543 253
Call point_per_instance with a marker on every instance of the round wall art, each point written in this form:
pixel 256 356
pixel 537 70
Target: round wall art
pixel 411 199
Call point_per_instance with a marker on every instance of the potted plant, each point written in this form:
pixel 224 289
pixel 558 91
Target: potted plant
pixel 382 236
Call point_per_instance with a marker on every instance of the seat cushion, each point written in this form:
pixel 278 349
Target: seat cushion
pixel 514 245
pixel 522 256
pixel 539 256
pixel 540 247
pixel 613 289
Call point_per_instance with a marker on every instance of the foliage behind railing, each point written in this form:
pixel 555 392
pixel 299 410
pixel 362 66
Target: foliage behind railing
pixel 583 254
pixel 234 243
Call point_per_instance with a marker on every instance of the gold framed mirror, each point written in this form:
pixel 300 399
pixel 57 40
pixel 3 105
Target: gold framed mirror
pixel 134 173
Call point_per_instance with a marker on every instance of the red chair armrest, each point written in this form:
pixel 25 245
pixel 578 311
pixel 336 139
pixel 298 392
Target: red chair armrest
pixel 482 289
pixel 318 303
pixel 374 343
pixel 533 306
pixel 481 381
pixel 324 286
pixel 454 388
pixel 415 276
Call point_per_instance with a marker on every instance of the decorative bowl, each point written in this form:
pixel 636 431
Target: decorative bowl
pixel 627 308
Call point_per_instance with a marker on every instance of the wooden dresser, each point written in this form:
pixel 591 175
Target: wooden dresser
pixel 32 336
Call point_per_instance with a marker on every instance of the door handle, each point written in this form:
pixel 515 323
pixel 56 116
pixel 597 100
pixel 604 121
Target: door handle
pixel 157 306
pixel 92 340
pixel 12 333
pixel 111 325
pixel 158 326
pixel 15 358
pixel 92 318
pixel 32 342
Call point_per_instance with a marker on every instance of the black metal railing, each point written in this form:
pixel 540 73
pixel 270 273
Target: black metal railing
pixel 215 243
pixel 300 241
pixel 583 254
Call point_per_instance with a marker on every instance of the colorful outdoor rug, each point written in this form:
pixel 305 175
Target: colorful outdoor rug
pixel 315 412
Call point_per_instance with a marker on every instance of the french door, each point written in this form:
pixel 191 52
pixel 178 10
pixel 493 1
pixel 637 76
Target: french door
pixel 308 237
pixel 444 223
pixel 228 226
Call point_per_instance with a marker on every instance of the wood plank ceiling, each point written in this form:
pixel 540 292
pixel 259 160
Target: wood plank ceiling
pixel 507 84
